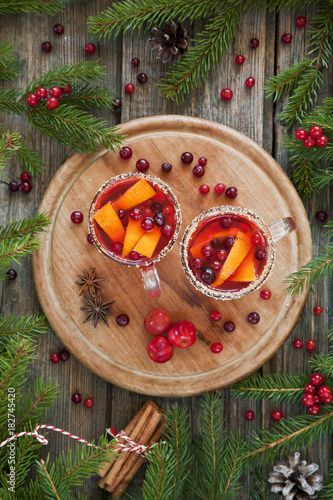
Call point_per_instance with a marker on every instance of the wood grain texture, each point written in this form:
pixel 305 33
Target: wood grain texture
pixel 249 112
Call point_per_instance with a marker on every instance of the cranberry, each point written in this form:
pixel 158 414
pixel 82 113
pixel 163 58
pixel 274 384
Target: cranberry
pixel 321 216
pixel 310 388
pixel 308 399
pixel 55 92
pixel 197 263
pixel 315 132
pixel 215 243
pixel 225 222
pixel 219 188
pixel 25 176
pixel 90 48
pixel 309 142
pixel 146 212
pixel 276 415
pixel 198 170
pixel 13 186
pixel 249 82
pixel 310 345
pixel 254 42
pixel 253 318
pixel 208 276
pixel 52 103
pixel 286 37
pixel 142 165
pixel 317 399
pixel 32 99
pixel 240 60
pixel 166 230
pixel 298 344
pixel 256 239
pixel 64 355
pixel 142 78
pixel 129 88
pixel 317 379
pixel 322 141
pixel 265 294
pixel 90 239
pixel 182 334
pixel 58 29
pixel 25 187
pixel 157 321
pixel 207 251
pixel 204 189
pixel 323 391
pixel 166 167
pixel 121 213
pixel 135 214
pixel 229 242
pixel 226 94
pixel 46 46
pixel 222 255
pixel 147 224
pixel 67 89
pixel 55 358
pixel 135 62
pixel 216 347
pixel 229 326
pixel 202 161
pixel 260 254
pixel 88 403
pixel 249 415
pixel 231 192
pixel 117 104
pixel 301 134
pixel 327 399
pixel 116 247
pixel 215 316
pixel 186 158
pixel 160 350
pixel 159 220
pixel 125 153
pixel 11 274
pixel 77 217
pixel 156 207
pixel 318 310
pixel 300 21
pixel 122 320
pixel 314 410
pixel 215 265
pixel 76 398
pixel 134 255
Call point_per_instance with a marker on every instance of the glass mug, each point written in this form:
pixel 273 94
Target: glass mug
pixel 228 252
pixel 134 219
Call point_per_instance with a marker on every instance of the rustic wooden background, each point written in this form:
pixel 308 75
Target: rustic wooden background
pixel 248 112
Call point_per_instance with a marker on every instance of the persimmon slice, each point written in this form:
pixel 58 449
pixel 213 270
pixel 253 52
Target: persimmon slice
pixel 136 194
pixel 109 221
pixel 245 271
pixel 147 244
pixel 134 233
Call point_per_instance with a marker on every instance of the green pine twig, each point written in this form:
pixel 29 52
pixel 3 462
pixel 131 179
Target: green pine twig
pixel 90 98
pixel 10 144
pixel 283 83
pixel 33 6
pixel 327 491
pixel 9 68
pixel 25 327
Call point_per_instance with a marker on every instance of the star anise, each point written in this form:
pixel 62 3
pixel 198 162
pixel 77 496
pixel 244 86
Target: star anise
pixel 89 282
pixel 96 309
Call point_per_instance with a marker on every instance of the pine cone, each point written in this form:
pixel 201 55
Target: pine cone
pixel 295 480
pixel 170 41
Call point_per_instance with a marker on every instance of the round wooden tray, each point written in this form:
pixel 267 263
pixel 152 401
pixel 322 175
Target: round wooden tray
pixel 118 354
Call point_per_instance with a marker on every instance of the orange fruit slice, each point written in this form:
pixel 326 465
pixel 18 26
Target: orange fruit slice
pixel 245 271
pixel 206 236
pixel 136 194
pixel 148 242
pixel 134 233
pixel 109 221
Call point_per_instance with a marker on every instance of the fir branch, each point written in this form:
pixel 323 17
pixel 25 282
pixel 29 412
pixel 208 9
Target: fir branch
pixel 321 35
pixel 130 15
pixel 26 327
pixel 327 491
pixel 276 388
pixel 305 177
pixel 35 6
pixel 260 487
pixel 47 475
pixel 214 41
pixel 158 483
pixel 323 363
pixel 24 227
pixel 286 81
pixel 9 102
pixel 10 143
pixel 9 68
pixel 90 98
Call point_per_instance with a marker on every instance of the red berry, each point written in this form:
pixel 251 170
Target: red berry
pixel 216 347
pixel 32 99
pixel 298 344
pixel 90 239
pixel 67 89
pixel 25 177
pixel 286 37
pixel 11 274
pixel 55 92
pixel 310 388
pixel 215 316
pixel 55 358
pixel 208 276
pixel 135 62
pixel 125 153
pixel 182 334
pixel 157 321
pixel 321 216
pixel 156 207
pixel 142 165
pixel 147 224
pixel 202 161
pixel 226 94
pixel 197 263
pixel 310 345
pixel 315 132
pixel 204 189
pixel 198 170
pixel 324 391
pixel 116 247
pixel 277 415
pixel 225 222
pixel 117 104
pixel 309 142
pixel 318 310
pixel 46 46
pixel 207 251
pixel 231 192
pixel 88 403
pixel 64 355
pixel 317 399
pixel 90 48
pixel 222 255
pixel 186 158
pixel 229 326
pixel 249 82
pixel 317 379
pixel 122 320
pixel 76 398
pixel 249 415
pixel 322 141
pixel 52 103
pixel 254 42
pixel 314 410
pixel 142 78
pixel 240 60
pixel 166 230
pixel 229 242
pixel 260 254
pixel 13 186
pixel 41 92
pixel 159 220
pixel 301 134
pixel 327 399
pixel 253 318
pixel 215 264
pixel 256 239
pixel 166 167
pixel 134 255
pixel 77 217
pixel 25 187
pixel 160 350
pixel 58 29
pixel 129 88
pixel 219 188
pixel 135 214
pixel 300 21
pixel 308 399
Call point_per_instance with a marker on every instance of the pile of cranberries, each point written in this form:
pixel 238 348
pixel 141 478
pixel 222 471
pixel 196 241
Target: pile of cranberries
pixel 314 138
pixel 316 394
pixel 52 96
pixel 25 186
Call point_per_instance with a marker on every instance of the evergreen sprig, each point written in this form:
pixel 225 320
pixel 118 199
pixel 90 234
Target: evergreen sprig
pixel 9 67
pixel 327 491
pixel 26 327
pixel 35 6
pixel 10 144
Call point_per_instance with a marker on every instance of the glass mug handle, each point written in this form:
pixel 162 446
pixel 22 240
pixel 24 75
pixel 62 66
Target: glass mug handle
pixel 282 227
pixel 151 281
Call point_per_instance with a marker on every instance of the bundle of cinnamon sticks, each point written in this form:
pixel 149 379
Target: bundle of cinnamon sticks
pixel 145 428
